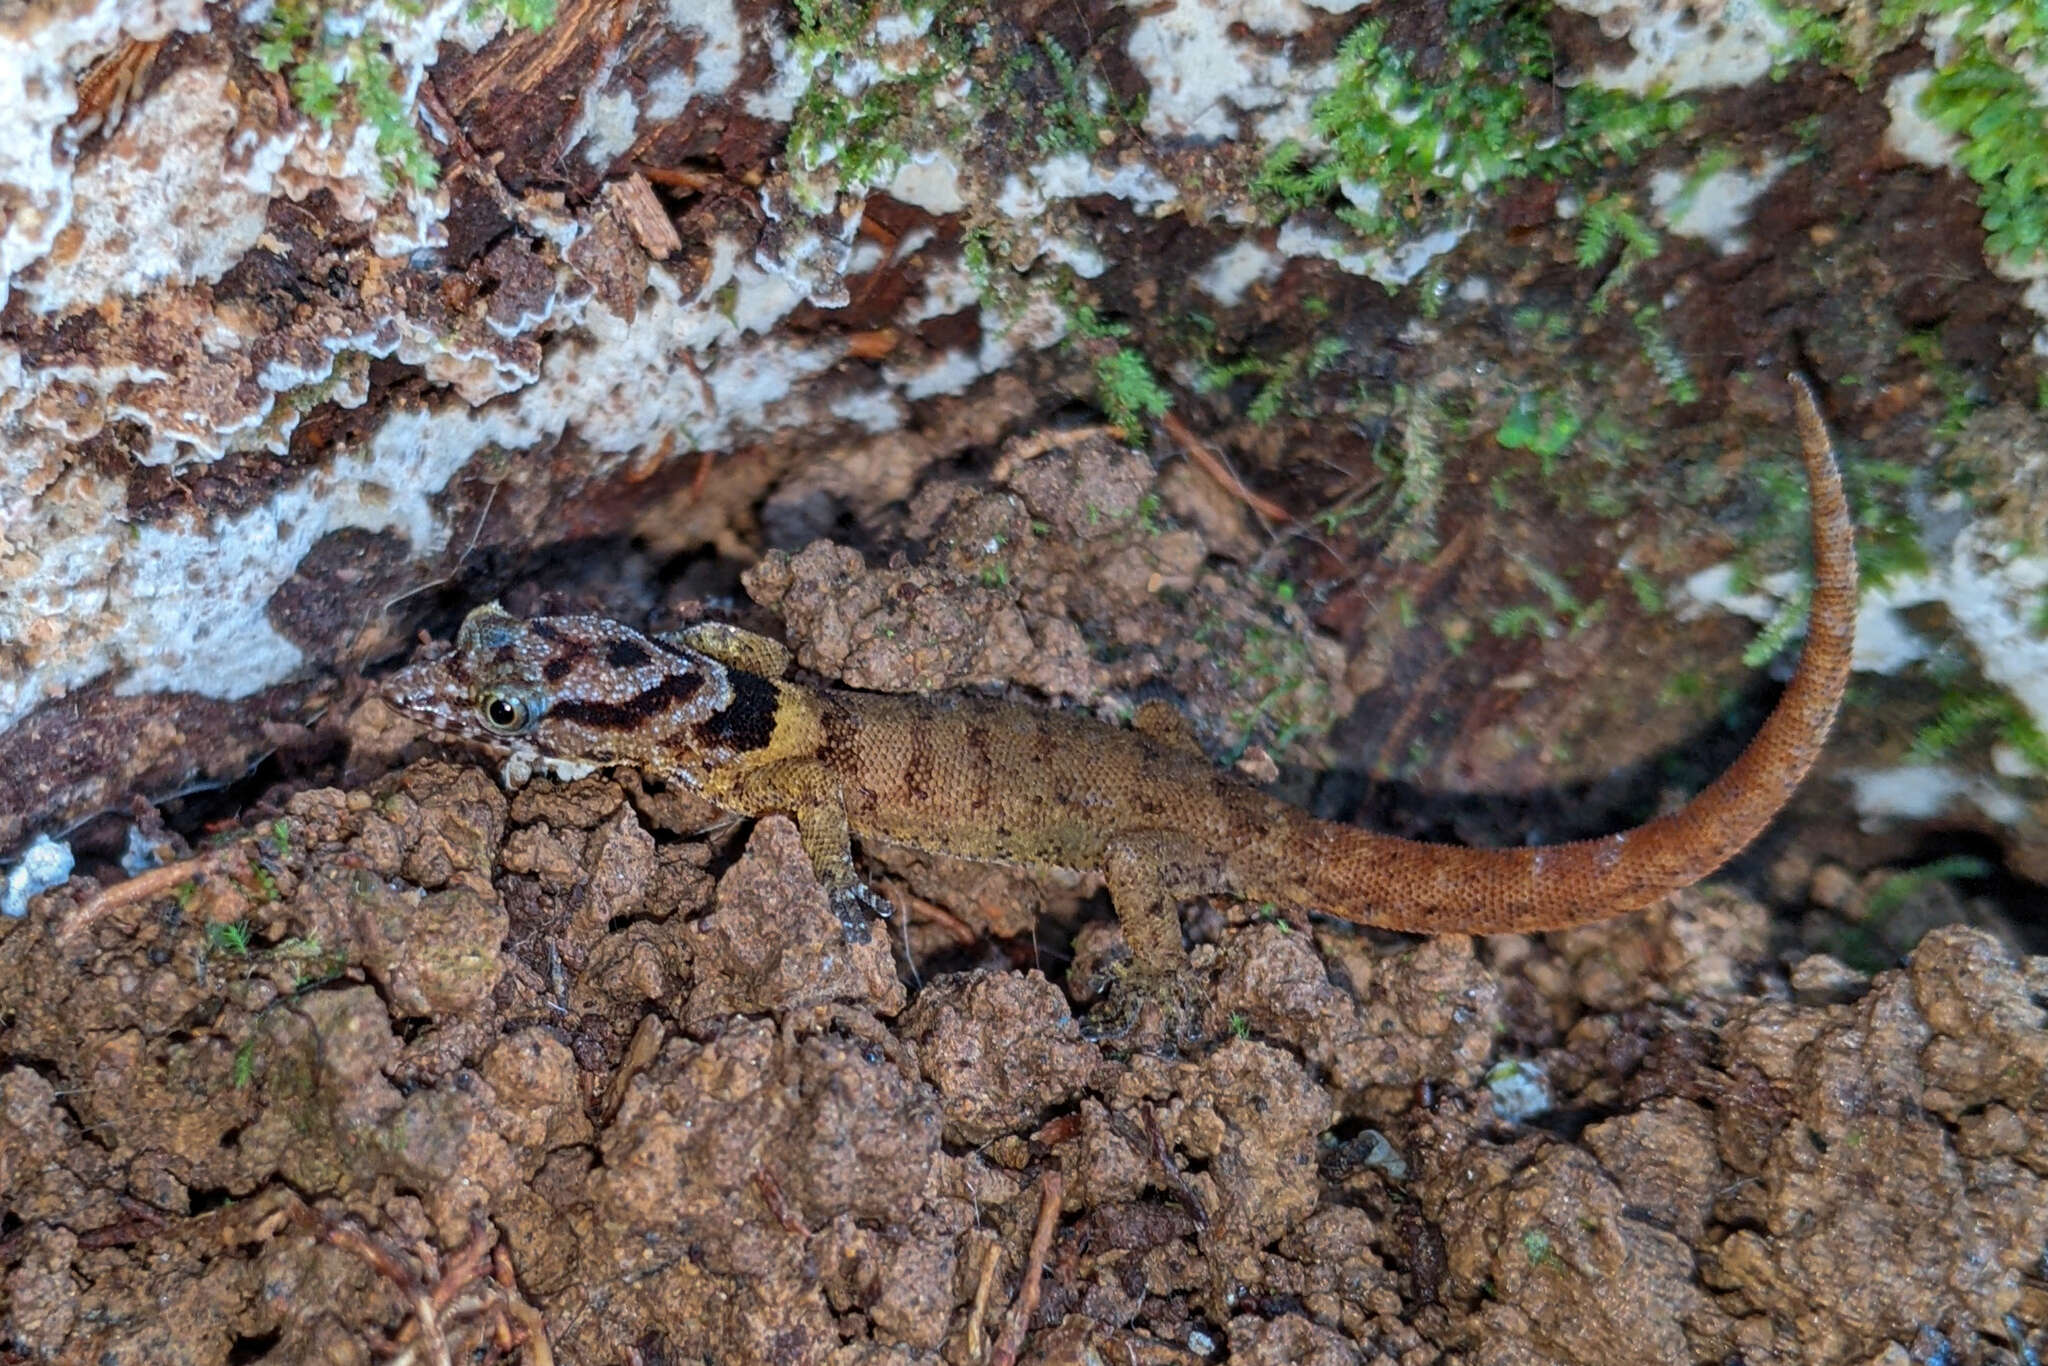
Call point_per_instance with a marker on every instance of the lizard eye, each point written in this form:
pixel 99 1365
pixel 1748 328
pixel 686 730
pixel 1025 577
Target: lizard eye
pixel 506 713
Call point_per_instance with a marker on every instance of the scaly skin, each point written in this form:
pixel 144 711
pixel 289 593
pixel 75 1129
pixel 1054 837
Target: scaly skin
pixel 1005 783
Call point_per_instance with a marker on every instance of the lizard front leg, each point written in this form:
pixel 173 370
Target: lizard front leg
pixel 808 793
pixel 734 646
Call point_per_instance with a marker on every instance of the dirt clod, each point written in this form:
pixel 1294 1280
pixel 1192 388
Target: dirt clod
pixel 442 1049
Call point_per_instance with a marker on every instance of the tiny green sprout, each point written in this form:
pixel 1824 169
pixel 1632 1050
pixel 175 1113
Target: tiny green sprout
pixel 1778 631
pixel 1968 715
pixel 244 1069
pixel 230 937
pixel 1530 425
pixel 1520 620
pixel 1683 686
pixel 266 883
pixel 183 893
pixel 281 837
pixel 1240 1027
pixel 995 574
pixel 1894 891
pixel 1648 595
pixel 1127 391
pixel 1536 1247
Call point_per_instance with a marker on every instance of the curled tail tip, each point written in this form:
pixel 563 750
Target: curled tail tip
pixel 1806 415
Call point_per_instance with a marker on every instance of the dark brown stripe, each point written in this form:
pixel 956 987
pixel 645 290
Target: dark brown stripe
pixel 558 667
pixel 917 769
pixel 747 723
pixel 673 689
pixel 626 654
pixel 984 768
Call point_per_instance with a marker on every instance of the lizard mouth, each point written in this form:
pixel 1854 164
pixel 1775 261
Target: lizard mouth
pixel 427 691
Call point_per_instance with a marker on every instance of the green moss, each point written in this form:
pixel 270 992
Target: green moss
pixel 864 104
pixel 1283 380
pixel 1541 425
pixel 244 1069
pixel 1414 141
pixel 1979 94
pixel 1520 620
pixel 341 69
pixel 1607 223
pixel 1126 390
pixel 1974 715
pixel 1779 630
pixel 1083 117
pixel 1673 371
pixel 2004 128
pixel 1894 891
pixel 1649 596
pixel 230 938
pixel 1959 398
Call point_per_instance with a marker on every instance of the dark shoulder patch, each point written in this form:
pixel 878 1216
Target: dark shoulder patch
pixel 626 654
pixel 746 723
pixel 557 668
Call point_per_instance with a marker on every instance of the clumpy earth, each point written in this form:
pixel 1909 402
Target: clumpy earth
pixel 419 1071
pixel 403 1067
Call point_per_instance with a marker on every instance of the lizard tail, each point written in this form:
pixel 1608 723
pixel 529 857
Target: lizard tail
pixel 1431 888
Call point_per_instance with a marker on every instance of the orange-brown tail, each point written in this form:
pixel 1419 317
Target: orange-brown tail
pixel 1433 888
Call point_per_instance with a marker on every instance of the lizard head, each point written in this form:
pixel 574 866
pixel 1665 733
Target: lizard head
pixel 582 689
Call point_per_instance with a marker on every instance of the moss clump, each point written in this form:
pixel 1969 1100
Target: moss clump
pixel 875 71
pixel 331 67
pixel 1972 715
pixel 1407 145
pixel 1979 94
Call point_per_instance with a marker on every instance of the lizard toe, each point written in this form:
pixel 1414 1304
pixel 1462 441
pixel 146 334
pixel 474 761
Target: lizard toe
pixel 851 905
pixel 1160 1011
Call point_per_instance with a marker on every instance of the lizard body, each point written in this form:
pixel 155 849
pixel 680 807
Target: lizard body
pixel 1002 782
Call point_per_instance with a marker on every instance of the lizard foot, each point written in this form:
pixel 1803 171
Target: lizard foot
pixel 853 905
pixel 1147 1009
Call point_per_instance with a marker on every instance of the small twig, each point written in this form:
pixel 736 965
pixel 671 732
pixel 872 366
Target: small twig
pixel 981 1292
pixel 147 886
pixel 476 1279
pixel 770 1191
pixel 533 1329
pixel 467 1265
pixel 645 1047
pixel 1205 455
pixel 963 933
pixel 1162 1153
pixel 679 177
pixel 1051 1190
pixel 382 1259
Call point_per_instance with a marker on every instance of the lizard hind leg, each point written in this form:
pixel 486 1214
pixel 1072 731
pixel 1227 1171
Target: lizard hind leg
pixel 1167 724
pixel 1150 873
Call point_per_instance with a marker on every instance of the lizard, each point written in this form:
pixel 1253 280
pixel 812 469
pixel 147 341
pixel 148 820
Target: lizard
pixel 1004 782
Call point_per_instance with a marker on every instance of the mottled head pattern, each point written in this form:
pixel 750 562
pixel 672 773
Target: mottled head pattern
pixel 582 689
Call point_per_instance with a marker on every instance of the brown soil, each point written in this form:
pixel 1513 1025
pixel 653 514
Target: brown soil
pixel 419 1072
pixel 411 1070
